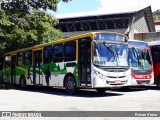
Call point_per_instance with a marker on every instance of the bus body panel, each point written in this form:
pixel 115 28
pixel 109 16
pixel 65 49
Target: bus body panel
pixel 101 78
pixel 141 76
pixel 155 50
pixel 156 71
pixel 53 73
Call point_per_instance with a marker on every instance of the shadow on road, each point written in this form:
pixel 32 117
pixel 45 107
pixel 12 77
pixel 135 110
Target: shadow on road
pixel 90 93
pixel 135 88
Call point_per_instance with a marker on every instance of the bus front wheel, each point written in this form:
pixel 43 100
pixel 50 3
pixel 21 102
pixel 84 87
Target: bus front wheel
pixel 23 82
pixel 70 85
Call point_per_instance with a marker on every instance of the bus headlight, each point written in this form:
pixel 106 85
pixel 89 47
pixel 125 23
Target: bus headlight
pixel 99 74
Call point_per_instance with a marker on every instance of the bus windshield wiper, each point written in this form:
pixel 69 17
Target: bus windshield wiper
pixel 145 57
pixel 111 50
pixel 118 50
pixel 145 53
pixel 108 47
pixel 136 56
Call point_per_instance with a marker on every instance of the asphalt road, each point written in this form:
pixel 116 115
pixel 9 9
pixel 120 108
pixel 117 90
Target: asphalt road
pixel 43 99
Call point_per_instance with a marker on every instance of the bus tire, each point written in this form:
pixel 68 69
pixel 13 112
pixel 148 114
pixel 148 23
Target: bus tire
pixel 70 85
pixel 22 82
pixel 101 90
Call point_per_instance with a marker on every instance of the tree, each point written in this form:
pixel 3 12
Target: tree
pixel 156 15
pixel 31 29
pixel 25 6
pixel 25 23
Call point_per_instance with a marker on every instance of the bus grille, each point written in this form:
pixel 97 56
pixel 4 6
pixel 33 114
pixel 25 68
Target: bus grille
pixel 116 76
pixel 143 82
pixel 115 70
pixel 113 82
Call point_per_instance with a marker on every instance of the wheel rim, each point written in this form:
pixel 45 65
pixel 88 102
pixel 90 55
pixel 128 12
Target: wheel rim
pixel 70 85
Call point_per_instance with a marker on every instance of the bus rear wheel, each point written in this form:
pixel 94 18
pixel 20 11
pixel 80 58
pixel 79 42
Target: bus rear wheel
pixel 23 83
pixel 101 90
pixel 70 85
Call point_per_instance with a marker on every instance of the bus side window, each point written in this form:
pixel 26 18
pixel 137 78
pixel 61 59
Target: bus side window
pixel 48 54
pixel 58 53
pixel 70 51
pixel 7 61
pixel 28 58
pixel 156 54
pixel 20 59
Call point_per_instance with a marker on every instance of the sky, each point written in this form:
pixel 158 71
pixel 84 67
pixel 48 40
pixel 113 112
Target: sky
pixel 107 6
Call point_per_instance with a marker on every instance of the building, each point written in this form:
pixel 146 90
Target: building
pixel 149 36
pixel 114 22
pixel 157 25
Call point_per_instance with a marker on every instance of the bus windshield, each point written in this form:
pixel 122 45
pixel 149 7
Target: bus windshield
pixel 140 61
pixel 109 54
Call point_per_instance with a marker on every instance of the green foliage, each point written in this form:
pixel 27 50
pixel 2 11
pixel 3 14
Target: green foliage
pixel 24 6
pixel 25 23
pixel 156 15
pixel 18 32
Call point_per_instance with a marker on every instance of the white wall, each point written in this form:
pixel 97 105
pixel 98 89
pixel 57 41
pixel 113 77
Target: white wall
pixel 157 27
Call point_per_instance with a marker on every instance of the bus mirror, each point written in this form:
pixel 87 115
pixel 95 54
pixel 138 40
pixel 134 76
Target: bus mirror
pixel 95 45
pixel 135 53
pixel 7 58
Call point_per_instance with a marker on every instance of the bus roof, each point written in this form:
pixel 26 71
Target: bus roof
pixel 62 40
pixel 137 41
pixel 154 43
pixel 137 44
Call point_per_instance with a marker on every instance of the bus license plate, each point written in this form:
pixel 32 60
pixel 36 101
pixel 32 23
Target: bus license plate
pixel 117 82
pixel 143 83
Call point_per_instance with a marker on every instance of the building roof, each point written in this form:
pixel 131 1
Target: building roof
pixel 90 21
pixel 88 14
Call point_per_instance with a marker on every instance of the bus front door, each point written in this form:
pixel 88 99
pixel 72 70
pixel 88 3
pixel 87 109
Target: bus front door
pixel 84 60
pixel 37 65
pixel 13 69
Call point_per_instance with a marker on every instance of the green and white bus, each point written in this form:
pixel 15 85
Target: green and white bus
pixel 93 60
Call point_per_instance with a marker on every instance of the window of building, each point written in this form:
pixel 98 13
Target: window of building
pixel 70 51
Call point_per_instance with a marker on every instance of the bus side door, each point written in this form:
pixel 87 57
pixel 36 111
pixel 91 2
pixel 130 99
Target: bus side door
pixel 37 67
pixel 84 62
pixel 13 69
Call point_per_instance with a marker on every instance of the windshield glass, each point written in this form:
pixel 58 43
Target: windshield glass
pixel 112 37
pixel 107 54
pixel 142 60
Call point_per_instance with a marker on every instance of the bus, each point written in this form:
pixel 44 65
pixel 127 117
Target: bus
pixel 155 50
pixel 93 60
pixel 141 63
